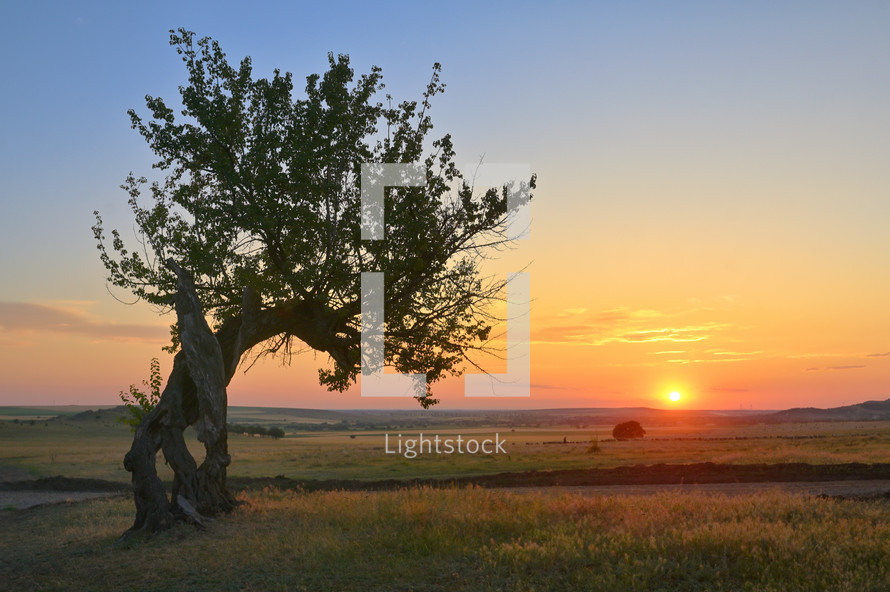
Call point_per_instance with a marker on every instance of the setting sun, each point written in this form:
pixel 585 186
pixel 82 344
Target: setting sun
pixel 674 396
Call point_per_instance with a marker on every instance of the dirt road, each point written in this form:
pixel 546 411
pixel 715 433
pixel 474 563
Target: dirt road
pixel 726 480
pixel 17 500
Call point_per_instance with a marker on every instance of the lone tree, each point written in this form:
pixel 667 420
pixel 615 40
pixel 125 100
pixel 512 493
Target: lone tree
pixel 256 227
pixel 628 430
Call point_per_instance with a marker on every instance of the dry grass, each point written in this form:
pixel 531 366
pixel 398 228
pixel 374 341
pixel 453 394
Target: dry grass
pixel 96 450
pixel 469 539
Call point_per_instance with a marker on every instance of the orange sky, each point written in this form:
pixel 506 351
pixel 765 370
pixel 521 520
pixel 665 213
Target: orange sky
pixel 726 328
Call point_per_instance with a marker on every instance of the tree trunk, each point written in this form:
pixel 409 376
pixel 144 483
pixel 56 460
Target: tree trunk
pixel 161 428
pixel 206 367
pixel 195 393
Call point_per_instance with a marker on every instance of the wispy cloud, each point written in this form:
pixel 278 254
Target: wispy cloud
pixel 845 356
pixel 706 360
pixel 30 317
pixel 807 356
pixel 834 368
pixel 622 325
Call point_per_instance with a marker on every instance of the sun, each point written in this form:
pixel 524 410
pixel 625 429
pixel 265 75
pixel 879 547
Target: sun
pixel 674 396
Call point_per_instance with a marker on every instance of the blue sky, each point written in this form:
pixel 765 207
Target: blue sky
pixel 567 86
pixel 668 137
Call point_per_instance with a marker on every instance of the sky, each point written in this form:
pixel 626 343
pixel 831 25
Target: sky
pixel 711 216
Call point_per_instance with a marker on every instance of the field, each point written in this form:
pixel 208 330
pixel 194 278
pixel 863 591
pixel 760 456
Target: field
pixel 464 538
pixel 471 539
pixel 93 446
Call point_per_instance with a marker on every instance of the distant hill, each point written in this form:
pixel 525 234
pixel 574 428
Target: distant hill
pixel 867 411
pixel 98 414
pixel 580 417
pixel 44 412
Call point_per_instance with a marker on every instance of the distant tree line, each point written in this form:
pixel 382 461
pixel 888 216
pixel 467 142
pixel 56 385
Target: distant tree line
pixel 255 430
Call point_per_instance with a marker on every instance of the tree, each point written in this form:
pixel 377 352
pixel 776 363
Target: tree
pixel 628 430
pixel 255 226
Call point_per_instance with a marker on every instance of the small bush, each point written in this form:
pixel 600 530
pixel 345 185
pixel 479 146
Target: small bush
pixel 628 430
pixel 140 403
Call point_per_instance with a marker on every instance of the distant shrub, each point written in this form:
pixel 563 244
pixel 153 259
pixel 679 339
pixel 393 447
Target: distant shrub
pixel 594 444
pixel 628 430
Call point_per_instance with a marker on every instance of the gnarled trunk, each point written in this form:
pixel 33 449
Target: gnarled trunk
pixel 195 393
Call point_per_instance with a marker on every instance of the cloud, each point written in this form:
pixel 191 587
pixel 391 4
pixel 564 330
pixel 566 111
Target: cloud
pixel 17 342
pixel 834 368
pixel 735 353
pixel 707 360
pixel 824 355
pixel 711 356
pixel 29 317
pixel 622 325
pixel 593 334
pixel 674 334
pixel 848 355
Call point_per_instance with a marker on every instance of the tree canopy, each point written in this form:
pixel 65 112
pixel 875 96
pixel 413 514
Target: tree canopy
pixel 261 192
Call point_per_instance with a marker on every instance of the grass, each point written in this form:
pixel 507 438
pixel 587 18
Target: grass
pixel 456 539
pixel 466 539
pixel 94 448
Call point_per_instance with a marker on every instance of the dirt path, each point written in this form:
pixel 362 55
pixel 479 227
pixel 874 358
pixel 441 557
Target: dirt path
pixel 14 474
pixel 854 488
pixel 17 500
pixel 754 479
pixel 25 499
